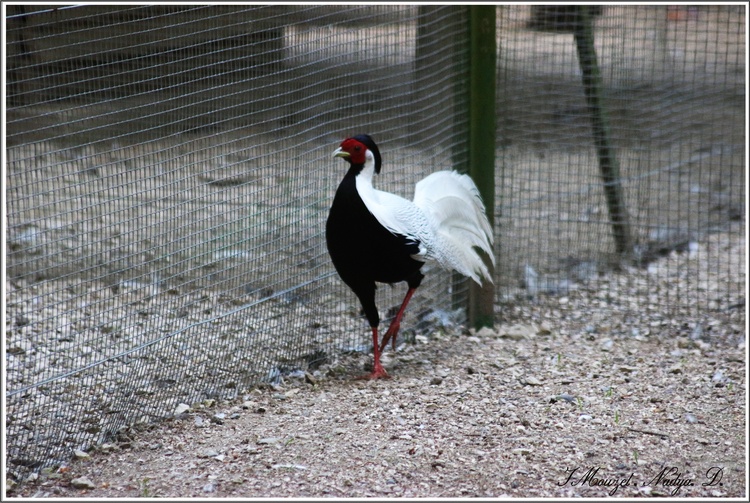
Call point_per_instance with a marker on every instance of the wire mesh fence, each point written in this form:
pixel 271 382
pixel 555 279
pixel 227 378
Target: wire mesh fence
pixel 673 81
pixel 169 177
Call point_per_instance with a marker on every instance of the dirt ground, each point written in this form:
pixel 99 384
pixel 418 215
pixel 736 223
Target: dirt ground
pixel 570 396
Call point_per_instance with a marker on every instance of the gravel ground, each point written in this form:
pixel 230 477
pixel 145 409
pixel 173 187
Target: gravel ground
pixel 576 395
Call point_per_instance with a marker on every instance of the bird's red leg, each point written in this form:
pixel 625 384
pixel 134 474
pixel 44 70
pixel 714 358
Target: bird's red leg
pixel 392 332
pixel 378 372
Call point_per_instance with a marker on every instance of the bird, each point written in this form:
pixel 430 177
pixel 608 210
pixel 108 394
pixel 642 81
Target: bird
pixel 374 236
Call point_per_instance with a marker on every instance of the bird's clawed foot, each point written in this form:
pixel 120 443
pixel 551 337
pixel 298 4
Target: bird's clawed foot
pixel 391 335
pixel 378 373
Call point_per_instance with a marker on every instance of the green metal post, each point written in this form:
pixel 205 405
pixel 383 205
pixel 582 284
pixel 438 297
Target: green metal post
pixel 482 76
pixel 608 165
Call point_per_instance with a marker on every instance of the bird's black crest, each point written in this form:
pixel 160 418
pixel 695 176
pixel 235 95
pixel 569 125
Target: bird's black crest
pixel 367 140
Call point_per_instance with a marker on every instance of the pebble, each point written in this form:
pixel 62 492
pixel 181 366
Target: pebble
pixel 486 332
pixel 567 397
pixel 516 332
pixel 289 466
pixel 531 381
pixel 181 409
pixel 208 453
pixel 544 329
pixel 82 483
pixel 79 454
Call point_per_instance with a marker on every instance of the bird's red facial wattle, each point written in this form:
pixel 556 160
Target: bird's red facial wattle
pixel 352 150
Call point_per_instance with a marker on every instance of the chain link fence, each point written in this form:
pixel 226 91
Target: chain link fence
pixel 169 177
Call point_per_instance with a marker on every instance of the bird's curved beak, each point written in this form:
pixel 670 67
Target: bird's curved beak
pixel 339 152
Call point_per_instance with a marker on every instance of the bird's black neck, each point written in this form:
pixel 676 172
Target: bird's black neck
pixel 354 170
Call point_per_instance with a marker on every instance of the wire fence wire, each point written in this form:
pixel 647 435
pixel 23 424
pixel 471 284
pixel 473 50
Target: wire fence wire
pixel 169 177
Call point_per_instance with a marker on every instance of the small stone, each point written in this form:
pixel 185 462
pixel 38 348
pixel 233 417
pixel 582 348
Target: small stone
pixel 531 381
pixel 218 418
pixel 208 453
pixel 436 381
pixel 516 332
pixel 181 409
pixel 606 344
pixel 82 483
pixel 584 417
pixel 524 451
pixel 79 454
pixel 268 440
pixel 288 466
pixel 310 379
pixel 690 418
pixel 486 332
pixel 567 397
pixel 544 329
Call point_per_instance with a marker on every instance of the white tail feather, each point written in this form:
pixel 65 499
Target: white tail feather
pixel 454 208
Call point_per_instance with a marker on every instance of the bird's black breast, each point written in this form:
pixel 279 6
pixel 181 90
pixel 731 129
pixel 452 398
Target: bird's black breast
pixel 362 250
